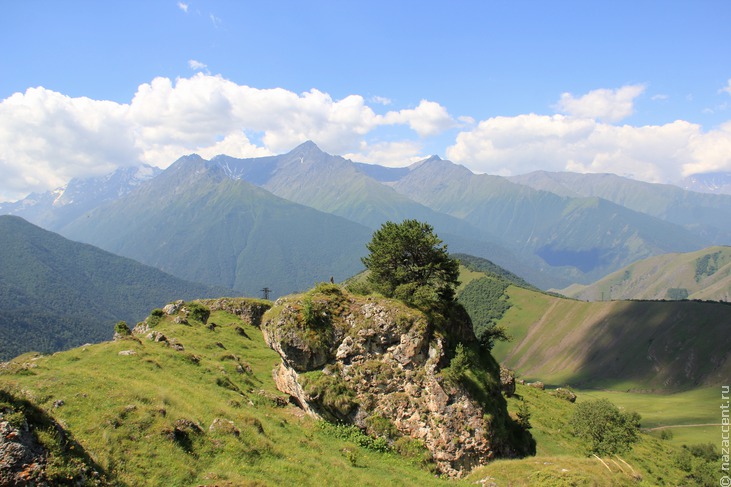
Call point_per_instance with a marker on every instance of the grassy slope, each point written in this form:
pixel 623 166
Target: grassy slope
pixel 662 346
pixel 652 278
pixel 121 409
pixel 548 332
pixel 560 460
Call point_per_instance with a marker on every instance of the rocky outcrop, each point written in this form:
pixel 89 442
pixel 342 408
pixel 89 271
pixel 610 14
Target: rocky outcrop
pixel 248 309
pixel 22 458
pixel 27 461
pixel 507 381
pixel 351 358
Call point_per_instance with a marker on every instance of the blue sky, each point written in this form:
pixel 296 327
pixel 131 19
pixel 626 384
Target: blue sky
pixel 639 88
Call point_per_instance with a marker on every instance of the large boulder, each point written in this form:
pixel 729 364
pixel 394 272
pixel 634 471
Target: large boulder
pixel 350 358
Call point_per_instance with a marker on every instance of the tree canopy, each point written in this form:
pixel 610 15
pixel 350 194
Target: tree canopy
pixel 408 261
pixel 605 429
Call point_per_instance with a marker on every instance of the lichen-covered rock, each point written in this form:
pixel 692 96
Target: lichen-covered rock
pixel 248 309
pixel 224 426
pixel 156 336
pixel 173 308
pixel 563 393
pixel 507 381
pixel 22 458
pixel 351 358
pixel 26 461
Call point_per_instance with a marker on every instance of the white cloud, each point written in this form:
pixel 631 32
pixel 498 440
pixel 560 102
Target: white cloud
pixel 429 118
pixel 656 153
pixel 381 100
pixel 196 65
pixel 390 154
pixel 602 104
pixel 727 88
pixel 183 6
pixel 215 20
pixel 47 138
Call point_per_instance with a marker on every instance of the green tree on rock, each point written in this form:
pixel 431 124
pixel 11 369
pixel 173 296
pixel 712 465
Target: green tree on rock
pixel 409 262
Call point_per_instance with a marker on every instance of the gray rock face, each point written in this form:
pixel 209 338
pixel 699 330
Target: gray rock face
pixel 385 359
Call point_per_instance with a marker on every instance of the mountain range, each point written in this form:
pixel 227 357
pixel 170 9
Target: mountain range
pixel 288 221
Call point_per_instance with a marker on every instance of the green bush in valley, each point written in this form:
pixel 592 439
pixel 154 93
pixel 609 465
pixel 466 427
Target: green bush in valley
pixel 605 429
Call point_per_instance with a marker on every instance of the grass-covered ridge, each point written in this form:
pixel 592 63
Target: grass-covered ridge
pixel 703 274
pixel 195 404
pixel 639 345
pixel 196 407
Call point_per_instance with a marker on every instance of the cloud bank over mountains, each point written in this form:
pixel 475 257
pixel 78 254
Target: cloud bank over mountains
pixel 47 137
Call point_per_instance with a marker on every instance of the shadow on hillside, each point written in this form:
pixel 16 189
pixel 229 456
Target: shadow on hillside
pixel 657 345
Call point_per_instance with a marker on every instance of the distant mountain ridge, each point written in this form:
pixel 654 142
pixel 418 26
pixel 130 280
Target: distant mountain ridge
pixel 55 209
pixel 56 294
pixel 551 230
pixel 706 214
pixel 713 182
pixel 195 222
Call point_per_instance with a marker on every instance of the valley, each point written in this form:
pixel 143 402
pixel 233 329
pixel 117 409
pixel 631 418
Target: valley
pixel 644 324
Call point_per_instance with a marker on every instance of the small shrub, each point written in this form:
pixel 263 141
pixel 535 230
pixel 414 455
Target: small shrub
pixel 198 312
pixel 458 365
pixel 332 393
pixel 377 425
pixel 415 450
pixel 351 455
pixel 352 433
pixel 122 329
pixel 524 415
pixel 666 435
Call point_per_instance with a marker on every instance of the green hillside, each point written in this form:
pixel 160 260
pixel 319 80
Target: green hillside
pixel 197 408
pixel 194 222
pixel 57 294
pixel 704 274
pixel 664 360
pixel 195 404
pixel 642 345
pixel 662 346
